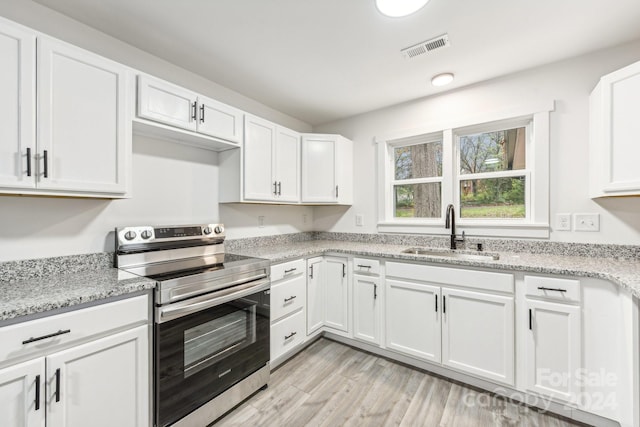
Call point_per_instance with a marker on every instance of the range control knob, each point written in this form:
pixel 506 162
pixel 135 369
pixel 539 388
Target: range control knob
pixel 146 234
pixel 207 230
pixel 219 229
pixel 130 235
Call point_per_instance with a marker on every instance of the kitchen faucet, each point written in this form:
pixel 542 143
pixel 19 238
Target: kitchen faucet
pixel 450 222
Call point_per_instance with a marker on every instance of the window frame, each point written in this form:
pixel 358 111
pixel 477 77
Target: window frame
pixel 536 221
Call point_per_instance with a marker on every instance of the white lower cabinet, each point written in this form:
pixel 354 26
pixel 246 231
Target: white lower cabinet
pixel 413 319
pixel 366 308
pixel 99 382
pixel 553 349
pixel 22 394
pixel 478 334
pixel 327 294
pixel 288 309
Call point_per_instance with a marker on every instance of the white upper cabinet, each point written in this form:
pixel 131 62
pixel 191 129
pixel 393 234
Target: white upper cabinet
pixel 327 169
pixel 84 139
pixel 83 128
pixel 210 123
pixel 268 166
pixel 614 144
pixel 17 106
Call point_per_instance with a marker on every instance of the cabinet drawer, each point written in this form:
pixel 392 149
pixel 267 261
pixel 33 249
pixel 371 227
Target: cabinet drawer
pixel 71 326
pixel 287 269
pixel 287 334
pixel 553 288
pixel 288 296
pixel 364 265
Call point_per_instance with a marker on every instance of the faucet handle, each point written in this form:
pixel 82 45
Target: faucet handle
pixel 460 239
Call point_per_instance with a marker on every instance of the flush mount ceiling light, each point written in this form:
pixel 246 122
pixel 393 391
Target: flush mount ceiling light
pixel 442 79
pixel 399 8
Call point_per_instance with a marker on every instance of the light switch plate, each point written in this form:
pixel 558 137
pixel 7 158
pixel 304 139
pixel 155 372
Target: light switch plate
pixel 586 222
pixel 359 220
pixel 563 222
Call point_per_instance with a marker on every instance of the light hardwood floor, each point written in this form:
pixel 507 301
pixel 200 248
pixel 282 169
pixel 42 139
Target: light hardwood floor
pixel 331 384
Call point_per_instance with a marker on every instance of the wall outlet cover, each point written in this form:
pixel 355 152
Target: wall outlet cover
pixel 563 222
pixel 586 222
pixel 359 220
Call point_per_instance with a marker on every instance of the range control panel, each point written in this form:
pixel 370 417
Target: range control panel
pixel 149 234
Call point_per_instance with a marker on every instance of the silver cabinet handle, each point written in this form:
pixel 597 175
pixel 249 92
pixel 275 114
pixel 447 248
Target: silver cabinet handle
pixel 291 298
pixel 364 266
pixel 336 191
pixel 279 188
pixel 194 110
pixel 202 113
pixel 290 270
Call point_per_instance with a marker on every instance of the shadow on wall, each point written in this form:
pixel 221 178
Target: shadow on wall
pixel 327 217
pixel 626 209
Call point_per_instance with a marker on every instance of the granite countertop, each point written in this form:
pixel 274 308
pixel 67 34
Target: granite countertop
pixel 623 272
pixel 40 294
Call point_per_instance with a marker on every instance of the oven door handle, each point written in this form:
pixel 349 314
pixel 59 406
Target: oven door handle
pixel 185 308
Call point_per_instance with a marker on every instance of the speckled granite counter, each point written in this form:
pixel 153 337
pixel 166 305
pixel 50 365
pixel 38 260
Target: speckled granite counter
pixel 623 272
pixel 36 286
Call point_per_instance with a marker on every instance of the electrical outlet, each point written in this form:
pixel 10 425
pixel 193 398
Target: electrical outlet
pixel 261 221
pixel 586 222
pixel 304 218
pixel 563 222
pixel 359 220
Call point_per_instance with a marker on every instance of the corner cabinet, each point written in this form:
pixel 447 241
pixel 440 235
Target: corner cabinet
pixel 174 112
pixel 327 295
pixel 93 371
pixel 327 169
pixel 82 146
pixel 614 128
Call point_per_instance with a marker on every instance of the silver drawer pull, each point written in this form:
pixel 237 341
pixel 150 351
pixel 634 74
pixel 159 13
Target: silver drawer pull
pixel 290 270
pixel 542 288
pixel 291 298
pixel 286 337
pixel 44 337
pixel 364 266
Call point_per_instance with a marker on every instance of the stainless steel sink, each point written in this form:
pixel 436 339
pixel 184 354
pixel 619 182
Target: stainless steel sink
pixel 448 253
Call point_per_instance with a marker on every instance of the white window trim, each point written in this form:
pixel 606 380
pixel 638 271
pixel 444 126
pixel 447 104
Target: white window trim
pixel 537 223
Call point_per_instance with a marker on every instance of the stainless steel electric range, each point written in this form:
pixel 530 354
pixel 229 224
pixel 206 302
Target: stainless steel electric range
pixel 211 329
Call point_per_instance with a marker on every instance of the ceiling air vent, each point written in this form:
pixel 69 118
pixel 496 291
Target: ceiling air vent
pixel 425 47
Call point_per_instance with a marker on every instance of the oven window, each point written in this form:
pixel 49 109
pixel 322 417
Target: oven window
pixel 216 339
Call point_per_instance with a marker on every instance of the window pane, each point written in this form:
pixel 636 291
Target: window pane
pixel 417 200
pixel 418 161
pixel 493 151
pixel 492 198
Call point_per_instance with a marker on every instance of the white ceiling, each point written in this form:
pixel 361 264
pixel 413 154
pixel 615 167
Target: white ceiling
pixel 321 60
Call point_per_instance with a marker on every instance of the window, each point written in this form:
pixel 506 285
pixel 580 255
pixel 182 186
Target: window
pixel 417 183
pixel 495 174
pixel 492 181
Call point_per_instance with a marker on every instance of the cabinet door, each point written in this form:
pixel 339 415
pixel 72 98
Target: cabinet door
pixel 17 107
pixel 336 294
pixel 413 319
pixel 22 394
pixel 287 165
pixel 259 146
pixel 315 295
pixel 166 103
pixel 553 349
pixel 344 171
pixel 319 169
pixel 366 308
pixel 620 129
pixel 477 334
pixel 219 120
pixel 84 142
pixel 102 383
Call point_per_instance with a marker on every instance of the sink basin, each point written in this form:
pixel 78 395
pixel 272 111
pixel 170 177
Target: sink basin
pixel 448 253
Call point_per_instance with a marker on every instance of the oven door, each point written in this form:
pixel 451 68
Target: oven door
pixel 200 355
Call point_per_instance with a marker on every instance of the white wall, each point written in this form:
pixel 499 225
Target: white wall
pixel 172 184
pixel 569 83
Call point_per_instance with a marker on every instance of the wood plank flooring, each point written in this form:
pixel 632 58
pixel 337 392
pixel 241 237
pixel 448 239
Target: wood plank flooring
pixel 331 384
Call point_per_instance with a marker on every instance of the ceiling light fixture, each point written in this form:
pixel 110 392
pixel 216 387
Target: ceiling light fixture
pixel 399 8
pixel 442 79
